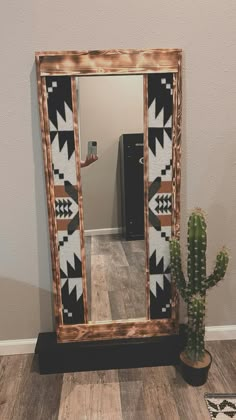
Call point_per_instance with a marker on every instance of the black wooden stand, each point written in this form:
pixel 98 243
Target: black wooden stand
pixel 113 354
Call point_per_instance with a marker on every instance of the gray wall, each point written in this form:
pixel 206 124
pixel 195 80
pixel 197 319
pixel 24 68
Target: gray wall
pixel 205 29
pixel 108 107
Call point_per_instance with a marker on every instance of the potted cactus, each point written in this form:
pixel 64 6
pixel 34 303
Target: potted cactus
pixel 195 359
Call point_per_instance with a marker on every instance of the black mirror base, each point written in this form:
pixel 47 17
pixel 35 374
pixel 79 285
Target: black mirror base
pixel 56 357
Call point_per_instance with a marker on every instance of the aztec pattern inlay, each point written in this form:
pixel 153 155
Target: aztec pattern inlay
pixel 160 112
pixel 221 406
pixel 60 113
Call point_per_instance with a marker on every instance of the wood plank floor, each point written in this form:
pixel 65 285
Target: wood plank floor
pixel 115 278
pixel 133 394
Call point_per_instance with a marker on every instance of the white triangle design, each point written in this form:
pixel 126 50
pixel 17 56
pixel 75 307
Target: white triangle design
pixel 155 121
pixel 52 126
pixel 166 139
pixel 67 124
pixel 63 282
pixel 77 282
pixel 156 279
pixel 160 119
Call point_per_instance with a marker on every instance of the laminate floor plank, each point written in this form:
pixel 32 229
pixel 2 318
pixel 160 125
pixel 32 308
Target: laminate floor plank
pixel 118 277
pixel 131 394
pixel 118 256
pixel 100 244
pixel 157 393
pixel 133 246
pixel 117 304
pixel 88 272
pixel 117 288
pixel 29 395
pixel 100 303
pixel 134 257
pixel 90 396
pixel 12 371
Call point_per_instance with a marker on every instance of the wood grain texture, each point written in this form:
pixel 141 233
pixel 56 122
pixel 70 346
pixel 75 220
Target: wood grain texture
pixel 12 373
pixel 80 196
pixel 116 329
pixel 126 394
pixel 58 314
pixel 176 150
pixel 146 189
pixel 100 304
pixel 117 278
pixel 108 62
pixel 176 174
pixel 51 206
pixel 91 396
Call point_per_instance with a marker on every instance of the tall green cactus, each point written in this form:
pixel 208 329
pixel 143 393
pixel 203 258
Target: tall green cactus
pixel 194 291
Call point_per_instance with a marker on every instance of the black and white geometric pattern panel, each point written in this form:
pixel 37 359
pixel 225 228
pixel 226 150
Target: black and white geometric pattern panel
pixel 60 112
pixel 160 114
pixel 221 406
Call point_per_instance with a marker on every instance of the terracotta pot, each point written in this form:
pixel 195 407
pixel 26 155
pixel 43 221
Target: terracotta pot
pixel 195 373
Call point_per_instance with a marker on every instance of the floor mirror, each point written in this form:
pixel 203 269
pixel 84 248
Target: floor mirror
pixel 111 136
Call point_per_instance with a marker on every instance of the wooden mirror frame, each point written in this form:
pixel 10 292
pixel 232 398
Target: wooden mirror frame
pixel 110 62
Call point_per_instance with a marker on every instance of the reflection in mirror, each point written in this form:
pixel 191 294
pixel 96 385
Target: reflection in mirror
pixel 111 149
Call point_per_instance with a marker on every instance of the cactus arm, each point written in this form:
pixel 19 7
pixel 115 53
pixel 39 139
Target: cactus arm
pixel 221 265
pixel 176 268
pixel 191 252
pixel 200 272
pixel 197 252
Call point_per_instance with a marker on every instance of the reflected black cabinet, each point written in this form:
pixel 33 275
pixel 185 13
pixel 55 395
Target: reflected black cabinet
pixel 132 185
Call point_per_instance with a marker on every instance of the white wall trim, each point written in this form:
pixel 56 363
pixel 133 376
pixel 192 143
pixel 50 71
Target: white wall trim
pixel 221 332
pixel 106 231
pixel 27 346
pixel 24 346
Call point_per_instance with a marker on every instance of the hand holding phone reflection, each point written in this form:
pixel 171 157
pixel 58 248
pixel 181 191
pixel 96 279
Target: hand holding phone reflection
pixel 91 154
pixel 88 161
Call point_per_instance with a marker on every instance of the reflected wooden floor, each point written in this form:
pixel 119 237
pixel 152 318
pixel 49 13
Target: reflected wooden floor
pixel 135 394
pixel 115 278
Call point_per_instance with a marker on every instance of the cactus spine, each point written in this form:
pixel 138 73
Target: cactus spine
pixel 194 291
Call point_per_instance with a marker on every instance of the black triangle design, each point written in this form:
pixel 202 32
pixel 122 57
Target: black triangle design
pixel 59 96
pixel 77 271
pixel 71 191
pixel 226 403
pixel 67 137
pixel 167 270
pixel 166 278
pixel 53 135
pixel 154 187
pixel 156 268
pixel 62 274
pixel 153 134
pixel 157 91
pixel 169 132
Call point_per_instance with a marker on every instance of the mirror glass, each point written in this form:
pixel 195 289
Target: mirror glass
pixel 110 117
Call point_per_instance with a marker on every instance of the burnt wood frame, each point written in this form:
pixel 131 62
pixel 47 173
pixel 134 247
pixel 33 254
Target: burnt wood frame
pixel 111 62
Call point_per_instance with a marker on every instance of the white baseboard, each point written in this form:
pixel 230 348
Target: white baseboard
pixel 221 332
pixel 27 346
pixel 106 231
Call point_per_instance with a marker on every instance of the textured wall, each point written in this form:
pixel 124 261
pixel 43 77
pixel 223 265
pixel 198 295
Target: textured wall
pixel 206 31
